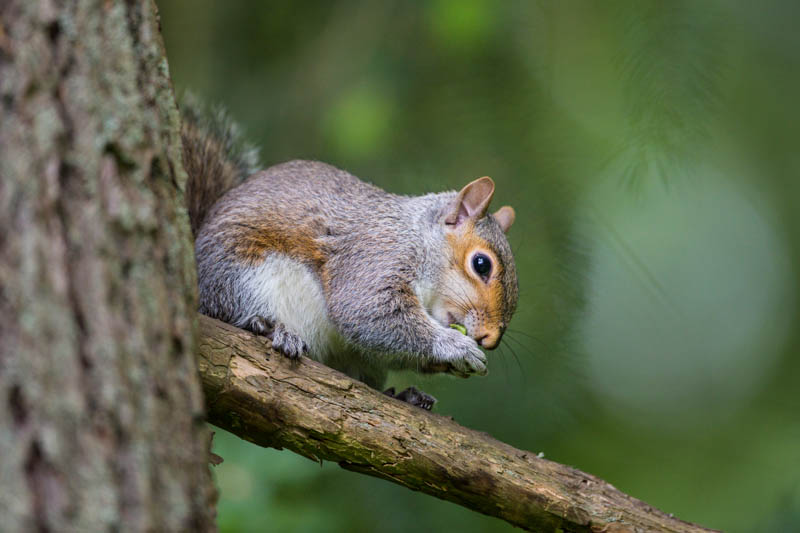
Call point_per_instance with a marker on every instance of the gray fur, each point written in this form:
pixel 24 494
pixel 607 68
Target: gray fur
pixel 216 156
pixel 377 247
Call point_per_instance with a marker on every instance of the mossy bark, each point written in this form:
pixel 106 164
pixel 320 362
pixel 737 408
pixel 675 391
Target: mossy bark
pixel 101 410
pixel 315 411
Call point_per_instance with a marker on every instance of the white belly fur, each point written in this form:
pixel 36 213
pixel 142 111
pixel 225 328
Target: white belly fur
pixel 287 291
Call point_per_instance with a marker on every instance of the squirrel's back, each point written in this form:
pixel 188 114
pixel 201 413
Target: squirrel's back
pixel 301 208
pixel 295 204
pixel 303 190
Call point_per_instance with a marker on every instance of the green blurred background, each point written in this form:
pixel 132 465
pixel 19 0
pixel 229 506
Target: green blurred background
pixel 651 152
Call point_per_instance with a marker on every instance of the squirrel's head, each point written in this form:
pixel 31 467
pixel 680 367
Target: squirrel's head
pixel 478 288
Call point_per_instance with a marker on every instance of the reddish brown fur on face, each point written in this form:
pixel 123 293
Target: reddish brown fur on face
pixel 464 244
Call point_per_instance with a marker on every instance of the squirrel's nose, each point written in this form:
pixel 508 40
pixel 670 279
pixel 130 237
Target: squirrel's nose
pixel 489 339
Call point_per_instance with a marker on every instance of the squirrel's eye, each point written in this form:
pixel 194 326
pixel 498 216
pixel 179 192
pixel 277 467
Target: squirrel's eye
pixel 482 265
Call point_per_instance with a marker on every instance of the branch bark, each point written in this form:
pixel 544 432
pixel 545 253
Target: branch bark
pixel 319 413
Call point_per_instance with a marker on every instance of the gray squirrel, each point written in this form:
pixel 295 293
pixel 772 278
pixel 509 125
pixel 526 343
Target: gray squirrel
pixel 329 266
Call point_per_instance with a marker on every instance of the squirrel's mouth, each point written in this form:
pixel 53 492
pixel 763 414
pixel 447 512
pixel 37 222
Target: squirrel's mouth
pixel 453 322
pixel 451 319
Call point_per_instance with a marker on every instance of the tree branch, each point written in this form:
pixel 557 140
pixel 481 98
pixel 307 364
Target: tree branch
pixel 261 396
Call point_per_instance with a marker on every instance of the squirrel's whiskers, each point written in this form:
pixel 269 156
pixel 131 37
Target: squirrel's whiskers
pixel 335 268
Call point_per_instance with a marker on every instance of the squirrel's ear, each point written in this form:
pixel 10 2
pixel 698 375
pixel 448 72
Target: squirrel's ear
pixel 505 217
pixel 471 202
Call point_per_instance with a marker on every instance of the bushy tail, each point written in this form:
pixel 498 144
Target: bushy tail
pixel 215 156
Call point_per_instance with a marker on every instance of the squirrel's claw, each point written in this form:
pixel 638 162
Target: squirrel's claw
pixel 259 325
pixel 459 353
pixel 284 341
pixel 453 371
pixel 288 343
pixel 413 396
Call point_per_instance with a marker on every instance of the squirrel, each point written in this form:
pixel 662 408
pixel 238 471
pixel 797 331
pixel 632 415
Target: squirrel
pixel 329 266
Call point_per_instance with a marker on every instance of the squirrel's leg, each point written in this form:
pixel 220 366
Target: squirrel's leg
pixel 414 396
pixel 383 315
pixel 369 370
pixel 282 299
pixel 286 342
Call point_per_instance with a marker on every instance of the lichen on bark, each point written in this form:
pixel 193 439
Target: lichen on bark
pixel 101 412
pixel 310 409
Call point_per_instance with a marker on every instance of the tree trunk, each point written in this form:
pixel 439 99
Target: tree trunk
pixel 101 410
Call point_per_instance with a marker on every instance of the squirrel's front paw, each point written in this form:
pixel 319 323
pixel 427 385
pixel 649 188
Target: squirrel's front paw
pixel 291 345
pixel 460 352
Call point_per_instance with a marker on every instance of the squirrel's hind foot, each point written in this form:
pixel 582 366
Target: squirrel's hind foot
pixel 259 325
pixel 414 396
pixel 288 343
